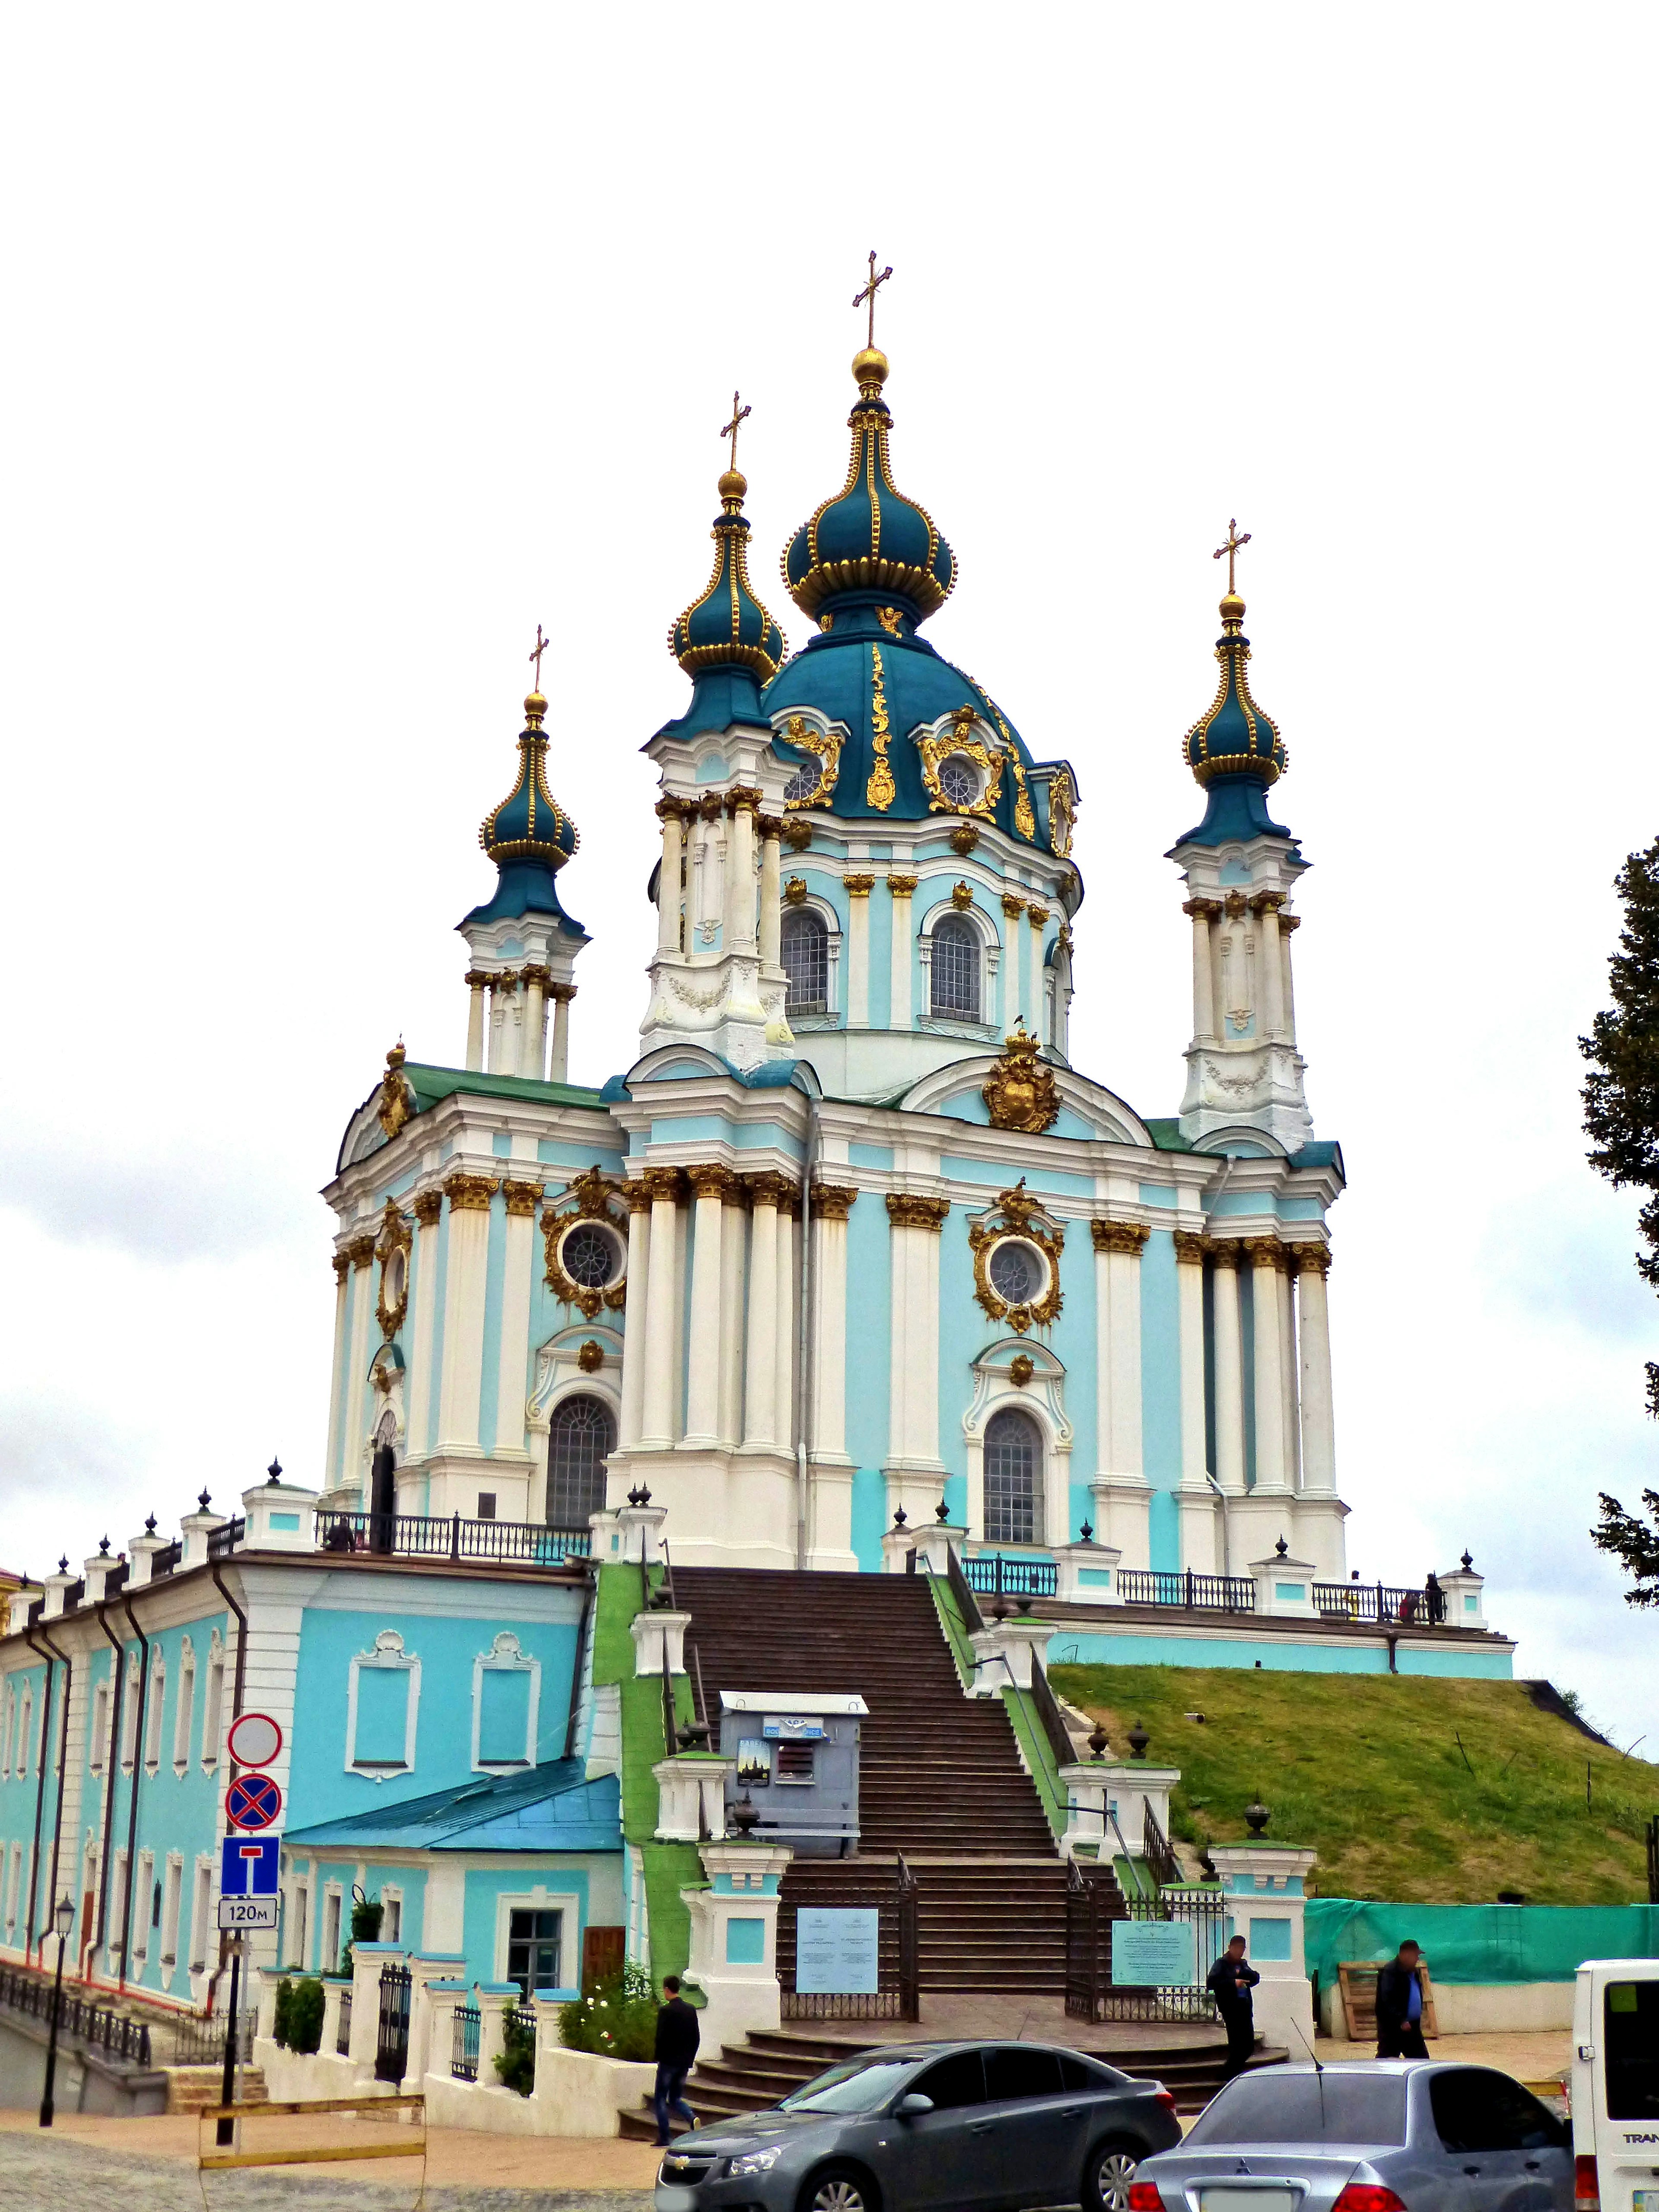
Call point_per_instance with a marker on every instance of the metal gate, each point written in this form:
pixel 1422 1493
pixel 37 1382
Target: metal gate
pixel 391 2042
pixel 897 1995
pixel 1095 1910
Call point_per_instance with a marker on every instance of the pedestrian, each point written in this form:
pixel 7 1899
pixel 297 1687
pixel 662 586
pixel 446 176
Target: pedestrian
pixel 1400 2006
pixel 677 2039
pixel 1229 1982
pixel 1437 1598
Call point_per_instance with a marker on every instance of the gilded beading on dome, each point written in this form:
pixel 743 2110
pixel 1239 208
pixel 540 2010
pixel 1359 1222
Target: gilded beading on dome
pixel 529 824
pixel 1234 736
pixel 727 626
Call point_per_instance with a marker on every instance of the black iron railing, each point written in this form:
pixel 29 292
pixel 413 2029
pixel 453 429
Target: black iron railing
pixel 434 1536
pixel 202 2042
pixel 1376 1602
pixel 1155 1848
pixel 116 1579
pixel 165 1561
pixel 343 2033
pixel 1201 1592
pixel 897 1994
pixel 463 2047
pixel 993 1575
pixel 392 2039
pixel 79 2020
pixel 1096 1910
pixel 221 1542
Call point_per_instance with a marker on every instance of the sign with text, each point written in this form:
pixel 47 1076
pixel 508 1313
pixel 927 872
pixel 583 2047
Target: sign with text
pixel 837 1951
pixel 242 1916
pixel 249 1866
pixel 1157 1954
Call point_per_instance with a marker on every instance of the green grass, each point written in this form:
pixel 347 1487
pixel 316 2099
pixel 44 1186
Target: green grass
pixel 1368 1770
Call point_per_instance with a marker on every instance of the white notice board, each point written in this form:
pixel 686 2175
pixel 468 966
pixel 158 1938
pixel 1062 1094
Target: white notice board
pixel 837 1951
pixel 1157 1954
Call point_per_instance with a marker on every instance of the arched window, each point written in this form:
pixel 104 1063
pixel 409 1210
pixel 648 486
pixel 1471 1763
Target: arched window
pixel 956 968
pixel 1013 1479
pixel 805 946
pixel 580 1435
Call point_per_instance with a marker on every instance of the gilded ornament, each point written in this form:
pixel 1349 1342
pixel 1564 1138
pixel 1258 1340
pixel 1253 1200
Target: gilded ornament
pixel 1013 907
pixel 1289 922
pixel 858 886
pixel 1021 1368
pixel 638 1195
pixel 908 1209
pixel 881 791
pixel 426 1207
pixel 962 896
pixel 397 1103
pixel 798 836
pixel 710 806
pixel 342 1267
pixel 1062 813
pixel 1190 1250
pixel 902 886
pixel 521 1197
pixel 826 622
pixel 834 1201
pixel 959 741
pixel 1017 1218
pixel 888 619
pixel 1237 905
pixel 1203 909
pixel 470 1193
pixel 794 891
pixel 714 1179
pixel 1310 1259
pixel 476 979
pixel 360 1251
pixel 1225 1251
pixel 964 838
pixel 561 993
pixel 1020 1092
pixel 1265 1251
pixel 392 1252
pixel 769 826
pixel 1266 901
pixel 664 1183
pixel 1038 915
pixel 826 750
pixel 745 796
pixel 591 1357
pixel 1129 1236
pixel 592 1196
pixel 770 1189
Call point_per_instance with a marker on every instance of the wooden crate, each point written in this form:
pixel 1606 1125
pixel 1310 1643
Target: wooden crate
pixel 1358 1980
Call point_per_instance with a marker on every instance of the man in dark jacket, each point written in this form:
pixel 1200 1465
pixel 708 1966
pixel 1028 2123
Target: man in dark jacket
pixel 677 2038
pixel 1400 2007
pixel 1229 1982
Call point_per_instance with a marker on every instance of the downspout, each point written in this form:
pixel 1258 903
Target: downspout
pixel 111 1758
pixel 138 1768
pixel 67 1665
pixel 803 1393
pixel 1208 1212
pixel 237 1681
pixel 40 1791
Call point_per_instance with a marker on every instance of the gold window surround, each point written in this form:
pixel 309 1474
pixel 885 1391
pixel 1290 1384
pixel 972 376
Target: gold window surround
pixel 961 740
pixel 594 1197
pixel 1017 1218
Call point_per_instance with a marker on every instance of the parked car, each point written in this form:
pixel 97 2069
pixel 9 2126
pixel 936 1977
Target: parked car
pixel 932 2127
pixel 1400 2135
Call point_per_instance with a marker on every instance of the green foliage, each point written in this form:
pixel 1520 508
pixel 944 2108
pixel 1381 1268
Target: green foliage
pixel 1369 1769
pixel 618 2020
pixel 366 1914
pixel 299 2022
pixel 284 2006
pixel 1621 1098
pixel 1625 1536
pixel 516 2065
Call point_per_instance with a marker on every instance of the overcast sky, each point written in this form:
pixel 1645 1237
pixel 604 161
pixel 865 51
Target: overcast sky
pixel 345 344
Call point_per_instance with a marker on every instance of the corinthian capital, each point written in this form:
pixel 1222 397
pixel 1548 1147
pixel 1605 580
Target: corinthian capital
pixel 1129 1236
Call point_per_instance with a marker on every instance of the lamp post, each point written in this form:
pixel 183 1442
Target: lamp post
pixel 63 1920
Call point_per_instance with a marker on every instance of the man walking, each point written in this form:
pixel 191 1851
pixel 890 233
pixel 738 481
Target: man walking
pixel 677 2038
pixel 1400 2006
pixel 1229 1982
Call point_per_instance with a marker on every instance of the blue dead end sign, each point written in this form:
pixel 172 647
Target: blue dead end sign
pixel 249 1866
pixel 253 1801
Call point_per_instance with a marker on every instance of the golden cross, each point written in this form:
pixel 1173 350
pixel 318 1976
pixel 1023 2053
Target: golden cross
pixel 542 644
pixel 1230 549
pixel 869 293
pixel 731 429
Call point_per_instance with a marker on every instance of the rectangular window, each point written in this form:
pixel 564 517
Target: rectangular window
pixel 1631 2020
pixel 212 1711
pixel 392 1920
pixel 142 1916
pixel 158 1687
pixel 185 1715
pixel 381 1735
pixel 13 1883
pixel 486 1505
pixel 329 1963
pixel 117 1909
pixel 532 1949
pixel 171 1897
pixel 504 1716
pixel 99 1728
pixel 130 1720
pixel 6 1727
pixel 201 1906
pixel 794 1763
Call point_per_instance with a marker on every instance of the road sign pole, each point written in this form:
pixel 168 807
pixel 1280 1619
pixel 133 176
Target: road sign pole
pixel 226 2131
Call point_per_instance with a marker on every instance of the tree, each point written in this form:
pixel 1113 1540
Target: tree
pixel 1621 1532
pixel 1621 1098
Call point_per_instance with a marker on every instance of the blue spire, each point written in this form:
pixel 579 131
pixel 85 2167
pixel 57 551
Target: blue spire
pixel 529 836
pixel 726 642
pixel 1234 749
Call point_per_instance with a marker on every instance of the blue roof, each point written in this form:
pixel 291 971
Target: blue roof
pixel 728 627
pixel 550 1808
pixel 1233 737
pixel 1236 811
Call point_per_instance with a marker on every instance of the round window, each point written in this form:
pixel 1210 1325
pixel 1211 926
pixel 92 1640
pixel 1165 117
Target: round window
pixel 589 1256
pixel 1017 1272
pixel 394 1277
pixel 958 780
pixel 804 782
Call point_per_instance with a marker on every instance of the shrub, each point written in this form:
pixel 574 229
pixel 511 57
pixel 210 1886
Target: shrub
pixel 305 2015
pixel 367 1915
pixel 517 2064
pixel 284 2007
pixel 617 2019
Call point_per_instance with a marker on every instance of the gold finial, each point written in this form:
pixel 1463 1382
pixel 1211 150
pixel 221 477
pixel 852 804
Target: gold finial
pixel 870 367
pixel 1230 549
pixel 396 1057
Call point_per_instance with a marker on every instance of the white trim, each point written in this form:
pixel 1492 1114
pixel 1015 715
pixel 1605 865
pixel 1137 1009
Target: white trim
pixel 1044 1399
pixel 213 1705
pixel 201 1910
pixel 832 1013
pixel 538 1899
pixel 172 1907
pixel 387 1652
pixel 331 1921
pixel 506 1656
pixel 990 960
pixel 154 1713
pixel 144 1904
pixel 184 1713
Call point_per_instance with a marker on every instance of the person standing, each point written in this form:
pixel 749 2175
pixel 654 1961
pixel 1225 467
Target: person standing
pixel 1400 2006
pixel 1229 1982
pixel 677 2038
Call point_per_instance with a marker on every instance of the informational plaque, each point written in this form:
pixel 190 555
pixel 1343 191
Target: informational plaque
pixel 1159 1954
pixel 836 1952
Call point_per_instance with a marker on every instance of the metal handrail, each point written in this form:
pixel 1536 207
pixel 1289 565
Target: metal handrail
pixel 451 1536
pixel 1158 1851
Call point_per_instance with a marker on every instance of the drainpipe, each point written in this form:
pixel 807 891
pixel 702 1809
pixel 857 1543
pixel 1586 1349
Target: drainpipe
pixel 68 1665
pixel 110 1756
pixel 803 1393
pixel 39 1793
pixel 138 1768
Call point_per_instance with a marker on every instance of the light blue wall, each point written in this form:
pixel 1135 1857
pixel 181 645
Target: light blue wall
pixel 1133 1649
pixel 484 1889
pixel 869 1365
pixel 20 1792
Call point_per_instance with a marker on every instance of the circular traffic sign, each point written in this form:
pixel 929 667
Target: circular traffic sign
pixel 255 1739
pixel 252 1801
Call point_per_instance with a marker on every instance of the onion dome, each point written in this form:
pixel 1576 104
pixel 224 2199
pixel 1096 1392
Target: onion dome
pixel 728 627
pixel 1234 738
pixel 869 537
pixel 529 824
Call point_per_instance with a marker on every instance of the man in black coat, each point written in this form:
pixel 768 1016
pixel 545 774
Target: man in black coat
pixel 1400 2007
pixel 1229 1982
pixel 678 2037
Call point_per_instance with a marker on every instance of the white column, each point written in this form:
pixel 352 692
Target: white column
pixel 1118 1247
pixel 831 1204
pixel 461 1385
pixel 734 1262
pixel 1288 1371
pixel 913 1438
pixel 562 994
pixel 771 892
pixel 339 1383
pixel 1288 923
pixel 1038 916
pixel 360 1252
pixel 639 1278
pixel 417 1385
pixel 1014 988
pixel 513 1371
pixel 1318 1427
pixel 761 1351
pixel 1203 912
pixel 1270 1462
pixel 1271 963
pixel 1228 1369
pixel 503 1026
pixel 787 1324
pixel 702 1378
pixel 857 888
pixel 740 872
pixel 530 1053
pixel 657 1403
pixel 903 952
pixel 476 982
pixel 1189 1302
pixel 668 883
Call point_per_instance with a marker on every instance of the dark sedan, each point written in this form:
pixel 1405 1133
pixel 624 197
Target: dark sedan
pixel 930 2127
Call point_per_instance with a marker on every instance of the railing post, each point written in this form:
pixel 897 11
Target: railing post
pixel 1381 1606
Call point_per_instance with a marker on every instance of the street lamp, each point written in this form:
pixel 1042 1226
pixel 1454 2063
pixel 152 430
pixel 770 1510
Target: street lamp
pixel 63 1920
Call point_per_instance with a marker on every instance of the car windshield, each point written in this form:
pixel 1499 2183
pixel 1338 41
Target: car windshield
pixel 858 2087
pixel 1277 2107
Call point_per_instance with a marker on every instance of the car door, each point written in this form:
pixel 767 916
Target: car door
pixel 1036 2128
pixel 1501 2145
pixel 941 2159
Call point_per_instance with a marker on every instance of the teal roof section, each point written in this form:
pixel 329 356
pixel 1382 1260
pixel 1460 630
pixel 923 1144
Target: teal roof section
pixel 1166 1134
pixel 424 1087
pixel 1234 736
pixel 728 627
pixel 1236 810
pixel 550 1808
pixel 529 836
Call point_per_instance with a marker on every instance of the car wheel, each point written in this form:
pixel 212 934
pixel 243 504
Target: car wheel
pixel 1112 2166
pixel 839 2189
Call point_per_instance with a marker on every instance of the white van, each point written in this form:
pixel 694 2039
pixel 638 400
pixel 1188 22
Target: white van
pixel 1615 2085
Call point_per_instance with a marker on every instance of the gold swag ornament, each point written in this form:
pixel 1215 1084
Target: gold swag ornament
pixel 396 1103
pixel 597 1197
pixel 1017 1217
pixel 1020 1092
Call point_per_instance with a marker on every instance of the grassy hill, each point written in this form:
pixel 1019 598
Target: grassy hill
pixel 1369 1769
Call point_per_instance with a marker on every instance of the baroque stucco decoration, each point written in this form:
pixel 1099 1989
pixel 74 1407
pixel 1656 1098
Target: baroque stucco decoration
pixel 1018 1217
pixel 393 1253
pixel 1019 1091
pixel 597 1197
pixel 396 1103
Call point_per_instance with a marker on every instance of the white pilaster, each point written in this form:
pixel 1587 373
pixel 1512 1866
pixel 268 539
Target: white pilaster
pixel 633 1313
pixel 532 1045
pixel 1014 1002
pixel 771 892
pixel 912 1434
pixel 656 1407
pixel 338 1386
pixel 786 1311
pixel 831 1204
pixel 460 1388
pixel 477 983
pixel 417 1390
pixel 1271 1470
pixel 1203 912
pixel 668 881
pixel 703 1379
pixel 1318 1430
pixel 563 994
pixel 857 888
pixel 1271 963
pixel 360 1253
pixel 761 1347
pixel 734 1267
pixel 511 1377
pixel 1287 1376
pixel 1228 1368
pixel 903 952
pixel 740 889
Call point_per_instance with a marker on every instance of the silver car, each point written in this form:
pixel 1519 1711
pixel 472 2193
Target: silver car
pixel 1395 2136
pixel 930 2127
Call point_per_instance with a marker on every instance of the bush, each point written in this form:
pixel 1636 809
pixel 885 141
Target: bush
pixel 367 1915
pixel 284 2006
pixel 618 2020
pixel 299 2023
pixel 517 2064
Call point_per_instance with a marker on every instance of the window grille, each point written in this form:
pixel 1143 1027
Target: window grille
pixel 956 968
pixel 1013 1479
pixel 532 1949
pixel 805 947
pixel 1016 1274
pixel 578 1438
pixel 959 782
pixel 588 1256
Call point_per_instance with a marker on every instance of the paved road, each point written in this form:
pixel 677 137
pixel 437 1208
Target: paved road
pixel 53 2174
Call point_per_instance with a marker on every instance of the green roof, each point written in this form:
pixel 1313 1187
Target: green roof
pixel 429 1084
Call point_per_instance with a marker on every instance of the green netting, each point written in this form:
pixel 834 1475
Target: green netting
pixel 1481 1942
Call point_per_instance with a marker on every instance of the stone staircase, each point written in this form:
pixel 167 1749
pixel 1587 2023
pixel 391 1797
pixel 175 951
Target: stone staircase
pixel 195 2089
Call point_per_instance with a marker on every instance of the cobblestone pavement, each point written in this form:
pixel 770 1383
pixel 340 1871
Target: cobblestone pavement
pixel 48 2173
